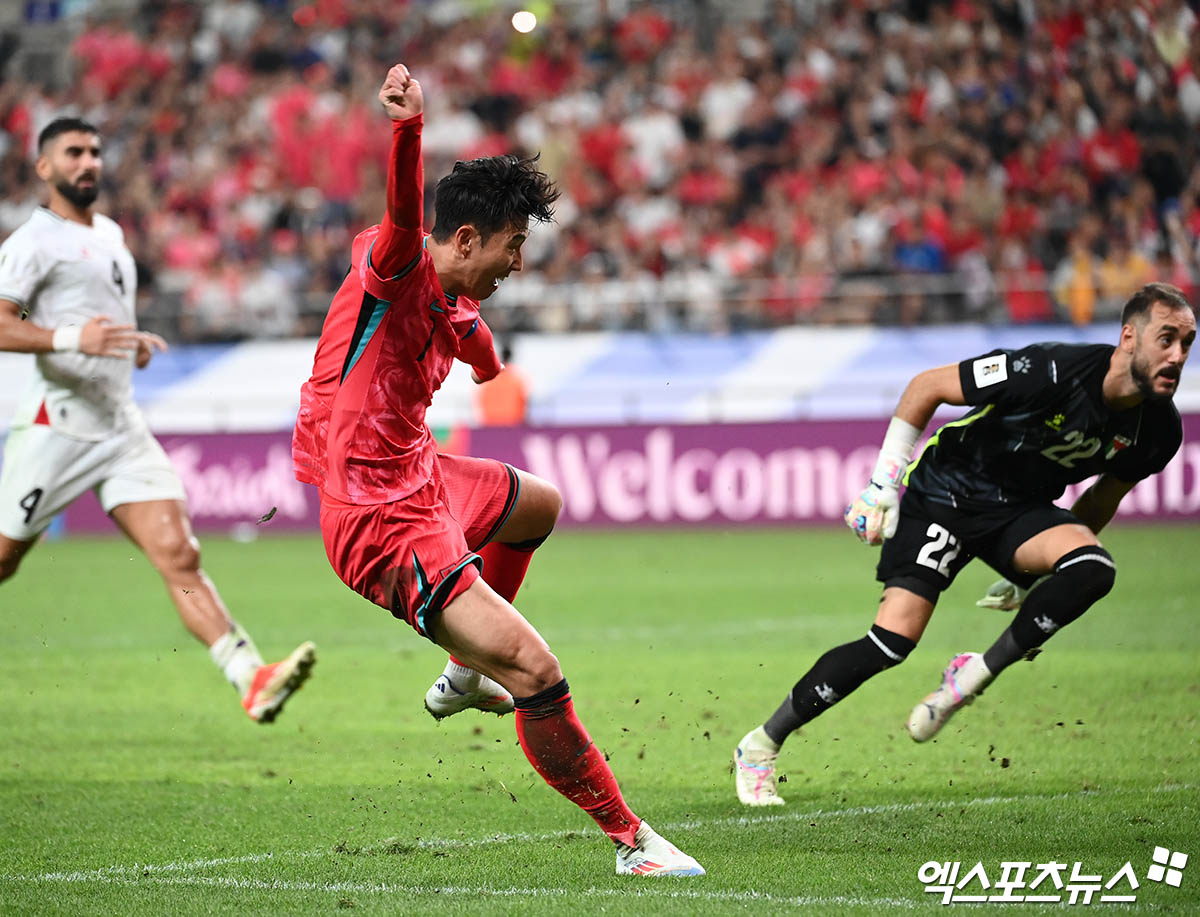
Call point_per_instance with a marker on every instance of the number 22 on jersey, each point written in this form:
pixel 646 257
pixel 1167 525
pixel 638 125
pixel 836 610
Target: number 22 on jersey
pixel 1075 449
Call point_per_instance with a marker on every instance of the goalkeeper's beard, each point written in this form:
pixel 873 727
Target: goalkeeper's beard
pixel 1139 371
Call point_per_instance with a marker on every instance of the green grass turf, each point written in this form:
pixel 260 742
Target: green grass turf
pixel 131 782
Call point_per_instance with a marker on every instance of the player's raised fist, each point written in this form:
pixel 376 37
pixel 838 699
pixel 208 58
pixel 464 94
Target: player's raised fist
pixel 401 95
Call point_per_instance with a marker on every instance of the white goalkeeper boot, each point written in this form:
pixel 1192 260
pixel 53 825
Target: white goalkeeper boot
pixel 653 855
pixel 754 770
pixel 459 688
pixel 963 680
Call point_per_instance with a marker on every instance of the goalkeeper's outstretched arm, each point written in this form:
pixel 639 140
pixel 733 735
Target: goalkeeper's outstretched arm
pixel 927 392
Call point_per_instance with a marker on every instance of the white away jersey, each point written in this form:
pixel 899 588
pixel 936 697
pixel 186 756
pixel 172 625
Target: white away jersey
pixel 64 273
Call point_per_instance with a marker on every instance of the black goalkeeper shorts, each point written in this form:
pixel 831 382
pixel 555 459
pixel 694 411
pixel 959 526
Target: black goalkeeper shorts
pixel 934 541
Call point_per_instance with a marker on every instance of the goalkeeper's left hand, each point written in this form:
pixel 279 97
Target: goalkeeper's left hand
pixel 1005 596
pixel 875 513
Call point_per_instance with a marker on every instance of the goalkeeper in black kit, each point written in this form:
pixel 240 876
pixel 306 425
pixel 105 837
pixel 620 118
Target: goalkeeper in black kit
pixel 1042 417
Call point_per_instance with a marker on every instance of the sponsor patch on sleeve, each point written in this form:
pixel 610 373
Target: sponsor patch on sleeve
pixel 990 370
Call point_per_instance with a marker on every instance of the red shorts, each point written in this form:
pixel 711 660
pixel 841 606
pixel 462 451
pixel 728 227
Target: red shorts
pixel 413 557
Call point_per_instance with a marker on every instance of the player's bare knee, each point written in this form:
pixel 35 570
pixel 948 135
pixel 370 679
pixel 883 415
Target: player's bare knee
pixel 11 553
pixel 523 665
pixel 8 565
pixel 540 670
pixel 554 505
pixel 176 553
pixel 545 502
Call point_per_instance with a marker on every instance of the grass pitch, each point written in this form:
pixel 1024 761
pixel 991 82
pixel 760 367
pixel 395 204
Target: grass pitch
pixel 131 782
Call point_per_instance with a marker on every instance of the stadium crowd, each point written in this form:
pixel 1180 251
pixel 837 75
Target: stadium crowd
pixel 886 161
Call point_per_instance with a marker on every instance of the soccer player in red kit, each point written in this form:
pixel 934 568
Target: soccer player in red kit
pixel 444 541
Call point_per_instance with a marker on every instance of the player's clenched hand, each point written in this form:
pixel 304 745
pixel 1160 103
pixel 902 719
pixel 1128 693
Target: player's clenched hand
pixel 148 342
pixel 479 376
pixel 99 337
pixel 401 94
pixel 875 513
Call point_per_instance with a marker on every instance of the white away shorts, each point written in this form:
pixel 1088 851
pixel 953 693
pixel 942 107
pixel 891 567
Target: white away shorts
pixel 44 471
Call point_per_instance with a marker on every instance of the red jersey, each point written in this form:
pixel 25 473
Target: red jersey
pixel 386 347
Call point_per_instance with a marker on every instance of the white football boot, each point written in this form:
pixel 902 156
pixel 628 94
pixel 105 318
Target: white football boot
pixel 459 688
pixel 653 855
pixel 754 770
pixel 963 680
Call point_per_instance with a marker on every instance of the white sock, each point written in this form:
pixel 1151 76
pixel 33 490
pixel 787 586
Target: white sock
pixel 979 676
pixel 464 678
pixel 758 740
pixel 236 655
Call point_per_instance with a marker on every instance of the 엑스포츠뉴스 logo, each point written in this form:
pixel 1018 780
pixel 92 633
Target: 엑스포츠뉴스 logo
pixel 1167 866
pixel 1023 881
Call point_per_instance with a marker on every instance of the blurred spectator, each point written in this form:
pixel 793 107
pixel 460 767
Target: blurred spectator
pixel 212 308
pixel 1023 283
pixel 268 308
pixel 1112 153
pixel 504 400
pixel 1123 272
pixel 1076 279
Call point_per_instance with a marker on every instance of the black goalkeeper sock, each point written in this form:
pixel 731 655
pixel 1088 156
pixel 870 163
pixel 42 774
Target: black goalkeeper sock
pixel 1080 579
pixel 834 676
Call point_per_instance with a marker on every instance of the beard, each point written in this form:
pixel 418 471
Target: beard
pixel 1139 370
pixel 80 197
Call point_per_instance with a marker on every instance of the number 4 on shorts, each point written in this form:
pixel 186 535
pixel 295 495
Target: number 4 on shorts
pixel 29 503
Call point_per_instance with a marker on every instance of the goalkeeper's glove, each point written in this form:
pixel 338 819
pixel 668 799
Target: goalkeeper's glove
pixel 1005 596
pixel 875 513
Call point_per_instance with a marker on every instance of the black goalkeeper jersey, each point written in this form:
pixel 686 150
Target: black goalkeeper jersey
pixel 1040 423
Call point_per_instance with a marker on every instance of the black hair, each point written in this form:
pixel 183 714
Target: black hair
pixel 491 194
pixel 1143 300
pixel 63 126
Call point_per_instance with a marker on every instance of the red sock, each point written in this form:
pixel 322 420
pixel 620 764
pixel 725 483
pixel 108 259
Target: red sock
pixel 560 749
pixel 504 567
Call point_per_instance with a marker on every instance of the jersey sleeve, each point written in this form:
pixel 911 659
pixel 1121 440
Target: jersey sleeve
pixel 397 248
pixel 478 349
pixel 22 268
pixel 1007 377
pixel 1153 453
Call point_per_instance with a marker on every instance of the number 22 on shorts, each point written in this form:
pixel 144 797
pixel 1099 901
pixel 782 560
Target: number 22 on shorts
pixel 941 541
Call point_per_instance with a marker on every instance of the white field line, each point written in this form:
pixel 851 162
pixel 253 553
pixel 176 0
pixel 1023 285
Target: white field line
pixel 140 872
pixel 661 888
pixel 657 889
